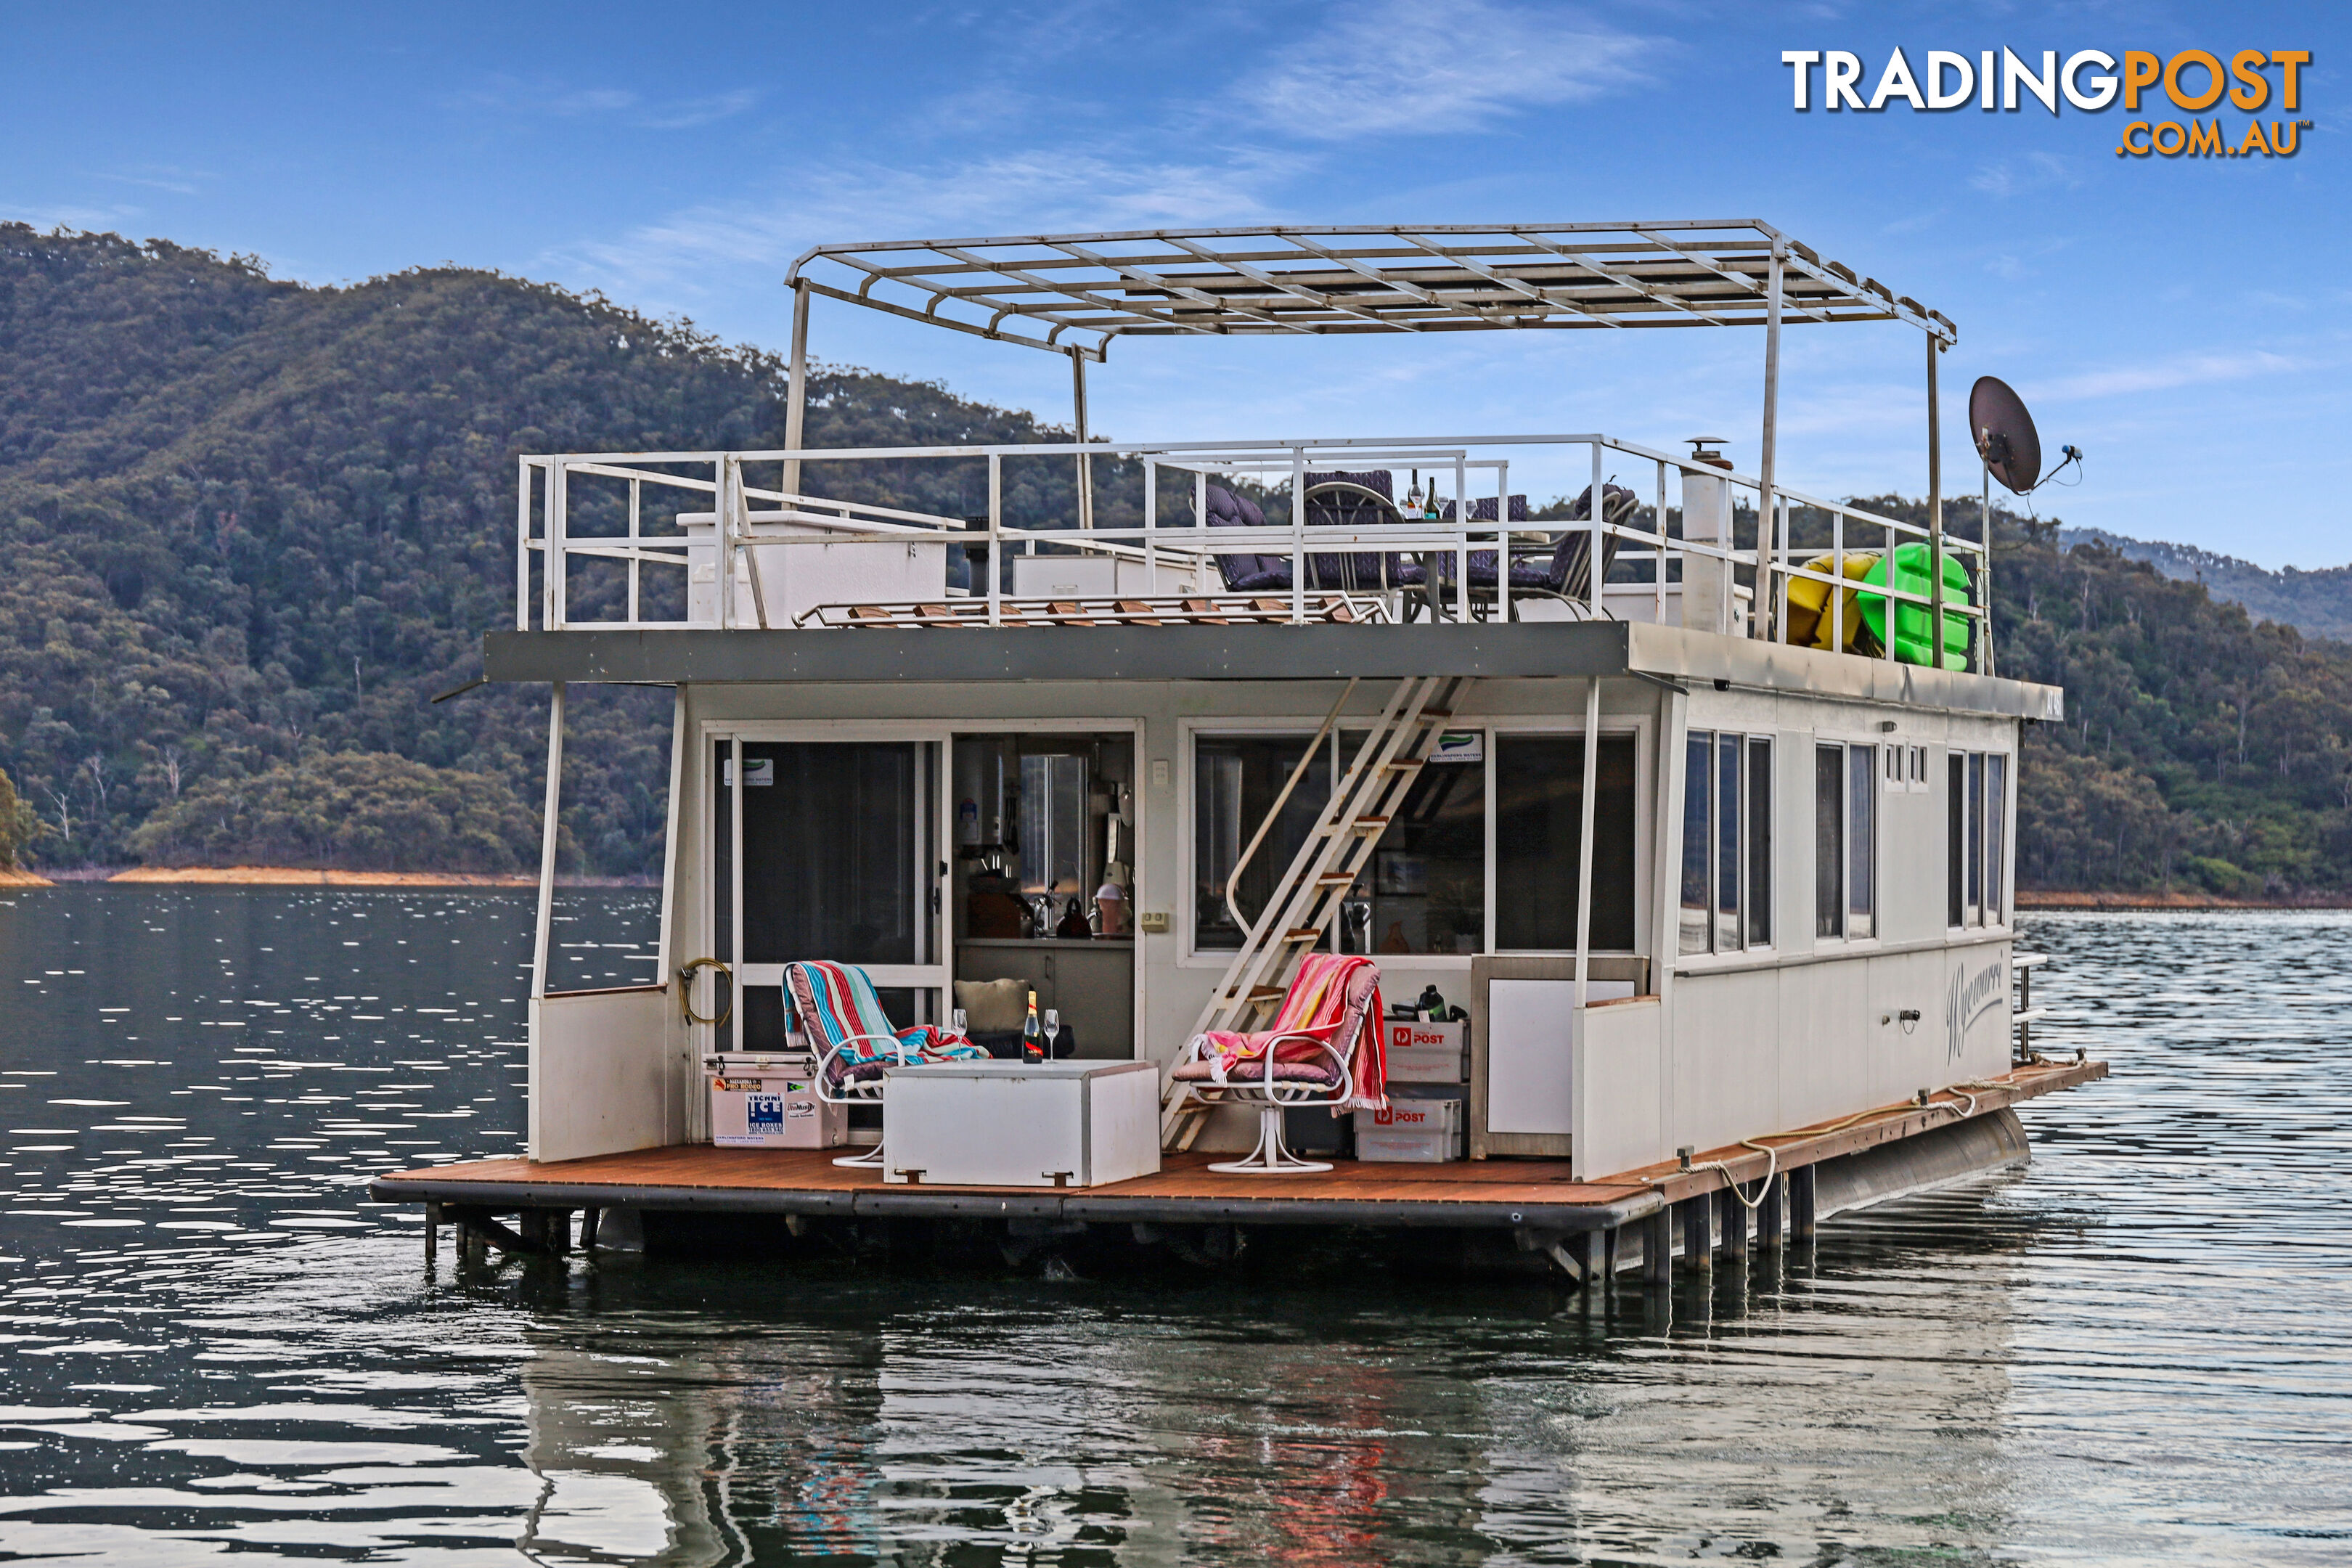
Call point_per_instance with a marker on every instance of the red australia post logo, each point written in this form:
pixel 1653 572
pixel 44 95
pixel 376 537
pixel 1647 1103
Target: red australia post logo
pixel 1402 1036
pixel 1390 1115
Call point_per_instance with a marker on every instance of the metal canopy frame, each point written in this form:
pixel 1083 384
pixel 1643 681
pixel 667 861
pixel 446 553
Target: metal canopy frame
pixel 1289 279
pixel 1078 292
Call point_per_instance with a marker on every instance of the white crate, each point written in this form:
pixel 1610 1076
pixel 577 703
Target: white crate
pixel 1413 1131
pixel 1425 1053
pixel 770 1102
pixel 1021 1124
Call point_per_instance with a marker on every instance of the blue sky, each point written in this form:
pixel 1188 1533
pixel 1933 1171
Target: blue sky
pixel 2175 318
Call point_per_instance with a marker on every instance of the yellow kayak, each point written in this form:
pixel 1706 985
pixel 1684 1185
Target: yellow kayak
pixel 1809 622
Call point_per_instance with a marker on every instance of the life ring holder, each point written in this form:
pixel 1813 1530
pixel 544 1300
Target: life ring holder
pixel 685 991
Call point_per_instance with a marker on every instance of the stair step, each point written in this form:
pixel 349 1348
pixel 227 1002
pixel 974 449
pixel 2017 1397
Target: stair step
pixel 1259 993
pixel 1304 933
pixel 1370 825
pixel 1403 765
pixel 1335 879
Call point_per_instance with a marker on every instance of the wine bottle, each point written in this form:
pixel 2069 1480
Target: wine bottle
pixel 1033 1034
pixel 1413 496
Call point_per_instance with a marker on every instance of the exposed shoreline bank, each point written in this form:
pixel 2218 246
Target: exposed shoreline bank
pixel 300 876
pixel 307 877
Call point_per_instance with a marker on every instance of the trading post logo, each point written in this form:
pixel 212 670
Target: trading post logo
pixel 2091 80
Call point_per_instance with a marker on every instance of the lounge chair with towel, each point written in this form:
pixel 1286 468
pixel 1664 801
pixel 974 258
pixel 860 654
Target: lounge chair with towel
pixel 1324 1049
pixel 855 1042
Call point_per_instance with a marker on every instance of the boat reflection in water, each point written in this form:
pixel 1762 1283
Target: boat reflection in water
pixel 1776 1409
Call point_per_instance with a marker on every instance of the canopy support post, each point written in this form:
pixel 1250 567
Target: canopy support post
pixel 1935 528
pixel 1086 463
pixel 547 843
pixel 1768 618
pixel 796 395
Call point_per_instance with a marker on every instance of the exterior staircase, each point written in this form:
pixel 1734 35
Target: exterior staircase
pixel 1306 901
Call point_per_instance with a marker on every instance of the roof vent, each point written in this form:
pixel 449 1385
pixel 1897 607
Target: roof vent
pixel 1702 450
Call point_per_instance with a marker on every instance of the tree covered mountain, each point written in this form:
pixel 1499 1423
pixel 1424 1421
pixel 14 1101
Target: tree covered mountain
pixel 252 527
pixel 249 523
pixel 2317 602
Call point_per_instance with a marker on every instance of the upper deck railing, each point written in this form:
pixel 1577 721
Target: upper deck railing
pixel 686 540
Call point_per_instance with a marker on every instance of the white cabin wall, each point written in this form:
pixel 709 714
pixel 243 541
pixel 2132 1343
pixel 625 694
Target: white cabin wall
pixel 1812 1029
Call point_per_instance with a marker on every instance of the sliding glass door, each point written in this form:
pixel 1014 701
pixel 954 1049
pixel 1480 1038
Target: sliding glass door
pixel 830 850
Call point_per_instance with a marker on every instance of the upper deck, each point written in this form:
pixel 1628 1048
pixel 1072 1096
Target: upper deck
pixel 1269 557
pixel 1112 576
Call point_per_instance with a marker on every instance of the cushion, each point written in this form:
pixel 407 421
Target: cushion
pixel 1254 1072
pixel 993 1005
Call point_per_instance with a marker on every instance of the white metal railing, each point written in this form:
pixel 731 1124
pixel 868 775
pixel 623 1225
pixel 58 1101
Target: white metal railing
pixel 747 544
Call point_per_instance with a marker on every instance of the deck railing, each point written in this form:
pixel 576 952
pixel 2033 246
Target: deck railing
pixel 693 513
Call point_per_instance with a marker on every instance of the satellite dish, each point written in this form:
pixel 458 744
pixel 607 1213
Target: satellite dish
pixel 2004 434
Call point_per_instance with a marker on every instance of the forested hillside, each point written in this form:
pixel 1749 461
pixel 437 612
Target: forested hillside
pixel 249 523
pixel 252 527
pixel 2318 603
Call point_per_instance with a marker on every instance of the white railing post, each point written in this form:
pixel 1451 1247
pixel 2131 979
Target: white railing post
pixel 1461 541
pixel 1298 536
pixel 636 497
pixel 1658 561
pixel 523 544
pixel 1151 523
pixel 1503 542
pixel 722 570
pixel 1837 570
pixel 552 570
pixel 996 539
pixel 1593 514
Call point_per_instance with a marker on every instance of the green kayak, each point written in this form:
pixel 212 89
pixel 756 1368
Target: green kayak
pixel 1910 637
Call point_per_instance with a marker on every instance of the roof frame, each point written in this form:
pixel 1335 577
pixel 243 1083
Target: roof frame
pixel 1073 293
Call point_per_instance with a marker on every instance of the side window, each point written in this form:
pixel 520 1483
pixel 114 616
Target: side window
pixel 1727 880
pixel 1977 841
pixel 1845 840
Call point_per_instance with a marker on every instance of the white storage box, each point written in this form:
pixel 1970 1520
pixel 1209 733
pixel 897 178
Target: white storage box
pixel 770 1102
pixel 1411 1131
pixel 1021 1124
pixel 1426 1053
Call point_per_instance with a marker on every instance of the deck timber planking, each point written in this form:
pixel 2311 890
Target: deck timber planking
pixel 1536 1195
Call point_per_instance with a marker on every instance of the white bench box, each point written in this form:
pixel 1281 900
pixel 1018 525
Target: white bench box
pixel 1021 1124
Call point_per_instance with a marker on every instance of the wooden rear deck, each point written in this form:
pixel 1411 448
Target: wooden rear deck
pixel 1534 1193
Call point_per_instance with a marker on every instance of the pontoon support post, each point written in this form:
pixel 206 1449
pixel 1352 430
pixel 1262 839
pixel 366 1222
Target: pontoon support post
pixel 1769 584
pixel 1934 530
pixel 547 843
pixel 1086 463
pixel 796 395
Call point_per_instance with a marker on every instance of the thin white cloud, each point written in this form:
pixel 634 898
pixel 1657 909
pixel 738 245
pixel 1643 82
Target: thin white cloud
pixel 1437 67
pixel 2034 172
pixel 2164 375
pixel 1036 192
pixel 511 95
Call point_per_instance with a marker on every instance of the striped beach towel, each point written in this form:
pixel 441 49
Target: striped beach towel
pixel 836 1008
pixel 1329 999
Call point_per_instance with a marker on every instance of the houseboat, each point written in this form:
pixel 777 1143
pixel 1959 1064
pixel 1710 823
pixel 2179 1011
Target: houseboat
pixel 1593 886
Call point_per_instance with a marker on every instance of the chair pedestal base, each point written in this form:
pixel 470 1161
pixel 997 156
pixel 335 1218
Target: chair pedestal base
pixel 1271 1157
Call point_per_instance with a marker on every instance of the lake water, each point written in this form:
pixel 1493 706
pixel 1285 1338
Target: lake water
pixel 2135 1352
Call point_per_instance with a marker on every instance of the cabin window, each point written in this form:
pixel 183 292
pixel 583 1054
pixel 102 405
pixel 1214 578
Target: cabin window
pixel 1976 839
pixel 1846 841
pixel 1235 780
pixel 1727 880
pixel 1539 816
pixel 1424 886
pixel 1427 888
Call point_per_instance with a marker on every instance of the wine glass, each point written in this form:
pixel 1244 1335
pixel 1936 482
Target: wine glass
pixel 1053 1030
pixel 958 1026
